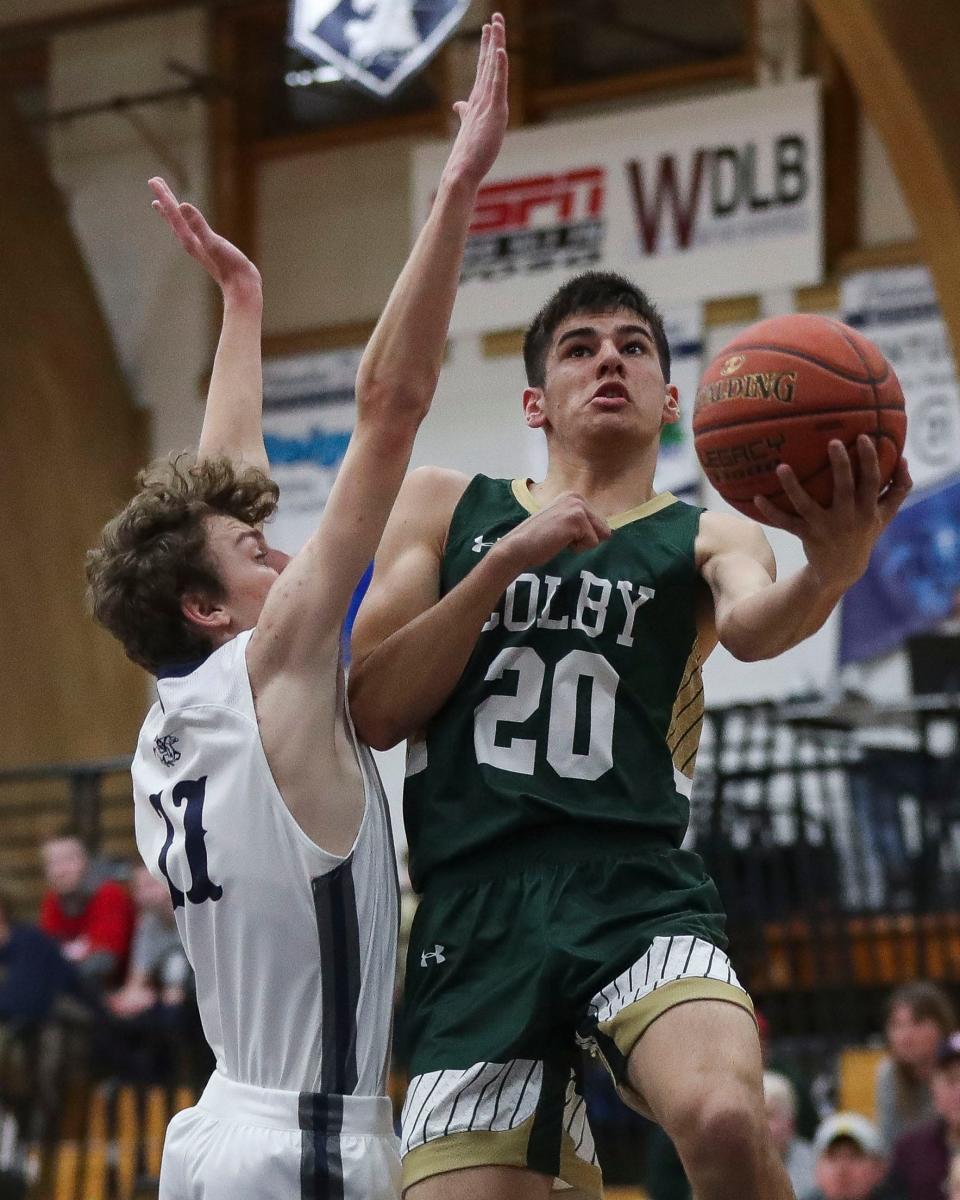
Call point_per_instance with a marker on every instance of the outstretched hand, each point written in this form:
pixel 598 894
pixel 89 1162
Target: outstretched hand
pixel 229 268
pixel 839 539
pixel 483 117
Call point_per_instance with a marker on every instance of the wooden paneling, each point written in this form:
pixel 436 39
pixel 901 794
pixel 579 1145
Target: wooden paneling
pixel 70 444
pixel 902 59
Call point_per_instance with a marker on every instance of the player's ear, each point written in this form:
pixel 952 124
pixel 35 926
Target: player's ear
pixel 671 406
pixel 533 407
pixel 203 612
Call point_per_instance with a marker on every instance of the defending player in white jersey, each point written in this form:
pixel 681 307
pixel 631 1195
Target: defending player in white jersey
pixel 254 801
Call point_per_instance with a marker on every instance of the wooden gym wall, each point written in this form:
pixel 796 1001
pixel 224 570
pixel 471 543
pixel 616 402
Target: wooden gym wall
pixel 70 444
pixel 904 60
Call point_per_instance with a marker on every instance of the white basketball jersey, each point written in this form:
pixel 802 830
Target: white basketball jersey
pixel 293 948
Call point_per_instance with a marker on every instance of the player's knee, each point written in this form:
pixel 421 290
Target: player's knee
pixel 722 1123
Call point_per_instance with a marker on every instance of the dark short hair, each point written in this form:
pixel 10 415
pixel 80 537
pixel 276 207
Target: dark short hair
pixel 593 291
pixel 927 1002
pixel 155 551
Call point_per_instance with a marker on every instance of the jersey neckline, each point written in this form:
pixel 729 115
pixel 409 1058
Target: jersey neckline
pixel 523 496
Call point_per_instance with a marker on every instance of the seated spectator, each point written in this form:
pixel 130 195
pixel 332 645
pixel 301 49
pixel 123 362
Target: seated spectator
pixel 851 1163
pixel 919 1017
pixel 148 1010
pixel 921 1156
pixel 798 1155
pixel 159 971
pixel 33 973
pixel 92 921
pixel 953 1179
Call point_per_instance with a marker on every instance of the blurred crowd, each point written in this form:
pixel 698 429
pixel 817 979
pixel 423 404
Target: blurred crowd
pixel 906 1148
pixel 96 985
pixel 101 967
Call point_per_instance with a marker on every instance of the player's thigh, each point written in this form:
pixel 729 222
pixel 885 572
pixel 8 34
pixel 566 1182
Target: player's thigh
pixel 720 1065
pixel 484 1183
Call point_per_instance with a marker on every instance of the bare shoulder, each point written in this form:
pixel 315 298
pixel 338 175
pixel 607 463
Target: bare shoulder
pixel 425 504
pixel 728 533
pixel 438 485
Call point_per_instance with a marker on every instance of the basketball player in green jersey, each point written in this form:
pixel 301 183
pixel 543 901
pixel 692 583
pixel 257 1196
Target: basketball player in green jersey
pixel 540 646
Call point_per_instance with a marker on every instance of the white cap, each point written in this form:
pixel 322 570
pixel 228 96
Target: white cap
pixel 848 1125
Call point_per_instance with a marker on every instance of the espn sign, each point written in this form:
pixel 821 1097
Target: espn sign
pixel 537 222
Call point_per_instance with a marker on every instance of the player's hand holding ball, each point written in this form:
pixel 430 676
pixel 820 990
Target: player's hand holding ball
pixel 800 424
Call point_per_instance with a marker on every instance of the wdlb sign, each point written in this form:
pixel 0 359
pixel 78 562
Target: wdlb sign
pixel 694 200
pixel 376 44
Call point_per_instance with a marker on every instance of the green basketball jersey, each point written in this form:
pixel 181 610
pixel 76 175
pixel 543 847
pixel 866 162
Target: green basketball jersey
pixel 581 705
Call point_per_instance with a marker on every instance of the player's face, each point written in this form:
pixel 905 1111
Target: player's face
pixel 603 378
pixel 247 567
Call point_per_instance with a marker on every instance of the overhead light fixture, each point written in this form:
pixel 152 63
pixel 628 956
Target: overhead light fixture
pixel 312 75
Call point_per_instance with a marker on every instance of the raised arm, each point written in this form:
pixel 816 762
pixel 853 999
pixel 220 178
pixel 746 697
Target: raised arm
pixel 395 384
pixel 232 420
pixel 409 646
pixel 758 616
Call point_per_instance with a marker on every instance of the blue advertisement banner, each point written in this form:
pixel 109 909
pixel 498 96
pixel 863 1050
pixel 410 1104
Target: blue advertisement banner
pixel 913 581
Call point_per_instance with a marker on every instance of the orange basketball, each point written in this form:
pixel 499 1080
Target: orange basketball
pixel 780 392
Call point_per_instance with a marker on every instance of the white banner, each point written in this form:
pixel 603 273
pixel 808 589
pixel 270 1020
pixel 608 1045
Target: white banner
pixel 705 198
pixel 897 309
pixel 308 417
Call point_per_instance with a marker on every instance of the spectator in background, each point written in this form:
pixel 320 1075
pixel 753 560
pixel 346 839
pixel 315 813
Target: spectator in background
pixel 851 1163
pixel 33 973
pixel 149 1009
pixel 798 1155
pixel 92 920
pixel 159 973
pixel 952 1191
pixel 919 1017
pixel 921 1156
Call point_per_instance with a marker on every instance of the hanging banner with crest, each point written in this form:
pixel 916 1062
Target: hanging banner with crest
pixel 376 44
pixel 913 580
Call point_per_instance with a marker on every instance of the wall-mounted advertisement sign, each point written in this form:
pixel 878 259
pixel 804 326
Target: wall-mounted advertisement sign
pixel 705 198
pixel 913 581
pixel 308 417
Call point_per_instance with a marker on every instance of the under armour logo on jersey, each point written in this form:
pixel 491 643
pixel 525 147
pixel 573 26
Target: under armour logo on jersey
pixel 479 545
pixel 436 954
pixel 165 748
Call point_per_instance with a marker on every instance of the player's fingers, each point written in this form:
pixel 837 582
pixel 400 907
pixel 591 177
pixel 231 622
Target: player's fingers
pixel 501 76
pixel 161 189
pixel 869 484
pixel 498 35
pixel 842 474
pixel 600 526
pixel 804 504
pixel 897 492
pixel 195 220
pixel 587 541
pixel 776 516
pixel 482 60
